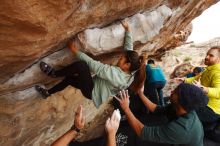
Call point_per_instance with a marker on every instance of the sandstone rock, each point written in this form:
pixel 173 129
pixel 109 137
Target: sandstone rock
pixel 33 74
pixel 174 24
pixel 28 120
pixel 31 30
pixel 181 70
pixel 22 111
pixel 177 40
pixel 144 26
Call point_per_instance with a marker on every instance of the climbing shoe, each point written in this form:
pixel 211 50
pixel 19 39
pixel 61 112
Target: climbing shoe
pixel 42 91
pixel 47 69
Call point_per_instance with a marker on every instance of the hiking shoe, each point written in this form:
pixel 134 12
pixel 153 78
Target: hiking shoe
pixel 42 91
pixel 47 69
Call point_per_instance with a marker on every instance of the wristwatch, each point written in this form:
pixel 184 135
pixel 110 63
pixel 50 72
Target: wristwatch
pixel 74 128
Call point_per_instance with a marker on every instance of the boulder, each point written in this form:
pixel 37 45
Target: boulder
pixel 32 31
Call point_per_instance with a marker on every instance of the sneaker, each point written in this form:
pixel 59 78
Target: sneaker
pixel 47 69
pixel 42 91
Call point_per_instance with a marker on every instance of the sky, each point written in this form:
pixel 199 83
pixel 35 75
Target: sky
pixel 207 25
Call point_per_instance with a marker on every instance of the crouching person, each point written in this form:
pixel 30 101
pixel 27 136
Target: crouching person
pixel 111 127
pixel 183 126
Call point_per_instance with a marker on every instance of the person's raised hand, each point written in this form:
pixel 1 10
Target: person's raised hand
pixel 123 99
pixel 112 124
pixel 79 120
pixel 72 46
pixel 125 25
pixel 198 83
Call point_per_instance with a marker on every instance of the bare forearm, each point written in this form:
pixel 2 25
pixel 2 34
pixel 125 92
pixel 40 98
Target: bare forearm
pixel 134 122
pixel 150 105
pixel 111 140
pixel 65 139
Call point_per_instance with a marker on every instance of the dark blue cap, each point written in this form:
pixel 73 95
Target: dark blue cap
pixel 191 97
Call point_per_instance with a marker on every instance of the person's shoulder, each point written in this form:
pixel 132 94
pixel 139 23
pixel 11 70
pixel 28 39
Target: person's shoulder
pixel 188 120
pixel 191 114
pixel 151 66
pixel 159 67
pixel 215 73
pixel 147 65
pixel 115 70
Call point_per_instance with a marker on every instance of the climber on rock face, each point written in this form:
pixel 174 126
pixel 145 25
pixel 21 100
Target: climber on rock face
pixel 111 127
pixel 108 80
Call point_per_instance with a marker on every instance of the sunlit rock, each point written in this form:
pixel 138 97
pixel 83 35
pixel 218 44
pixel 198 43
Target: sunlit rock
pixel 144 26
pixel 34 31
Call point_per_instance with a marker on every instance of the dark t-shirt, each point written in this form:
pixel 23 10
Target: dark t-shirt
pixel 163 127
pixel 186 130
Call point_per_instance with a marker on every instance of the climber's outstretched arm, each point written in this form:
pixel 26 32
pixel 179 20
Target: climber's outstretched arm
pixel 128 42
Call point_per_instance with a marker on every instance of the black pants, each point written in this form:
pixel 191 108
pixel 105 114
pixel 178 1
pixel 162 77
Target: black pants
pixel 76 74
pixel 154 92
pixel 207 116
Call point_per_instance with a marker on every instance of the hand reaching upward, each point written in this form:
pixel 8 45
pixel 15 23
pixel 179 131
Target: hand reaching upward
pixel 72 46
pixel 112 123
pixel 126 25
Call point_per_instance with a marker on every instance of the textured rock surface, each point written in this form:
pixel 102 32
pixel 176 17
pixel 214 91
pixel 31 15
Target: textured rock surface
pixel 30 30
pixel 144 27
pixel 27 120
pixel 181 70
